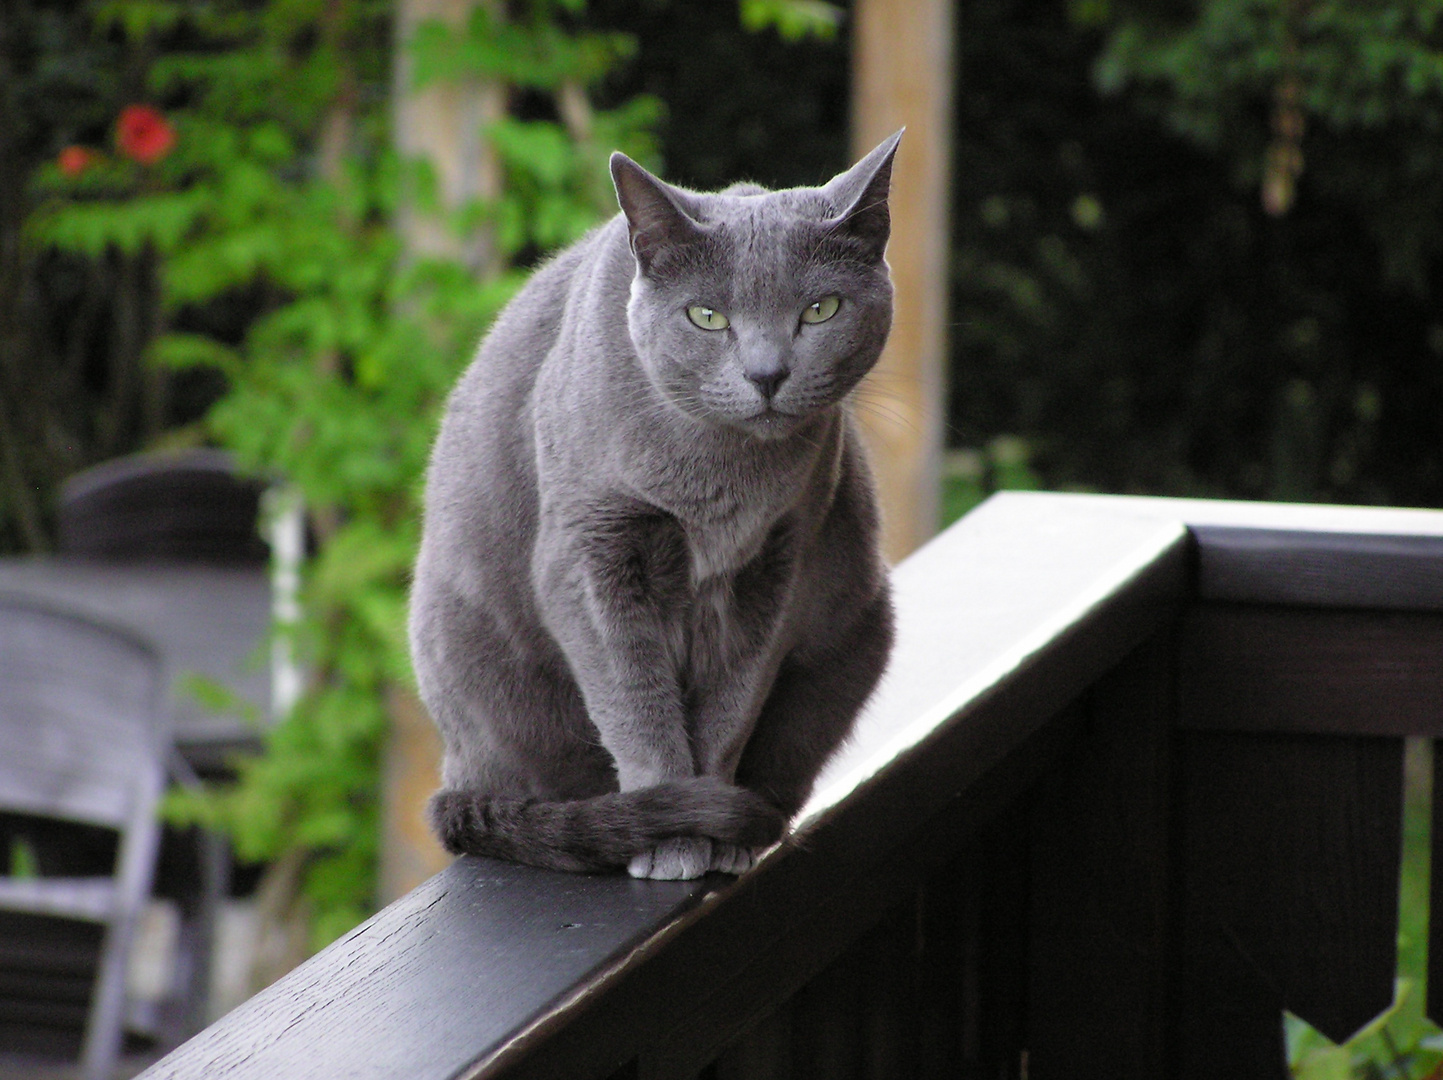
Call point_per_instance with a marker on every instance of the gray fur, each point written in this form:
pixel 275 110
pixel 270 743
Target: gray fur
pixel 649 602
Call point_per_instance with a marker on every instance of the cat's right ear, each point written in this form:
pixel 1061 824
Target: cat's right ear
pixel 654 213
pixel 860 197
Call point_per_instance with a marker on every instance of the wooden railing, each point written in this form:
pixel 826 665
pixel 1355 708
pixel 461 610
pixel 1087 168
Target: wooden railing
pixel 1130 788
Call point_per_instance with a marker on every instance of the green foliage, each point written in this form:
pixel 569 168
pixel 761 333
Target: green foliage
pixel 24 863
pixel 793 19
pixel 348 345
pixel 557 189
pixel 1362 66
pixel 537 54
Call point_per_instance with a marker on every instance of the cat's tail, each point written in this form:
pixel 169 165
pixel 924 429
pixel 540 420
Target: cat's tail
pixel 603 832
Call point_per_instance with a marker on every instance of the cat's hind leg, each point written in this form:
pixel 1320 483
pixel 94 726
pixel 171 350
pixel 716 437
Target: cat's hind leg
pixel 807 715
pixel 811 709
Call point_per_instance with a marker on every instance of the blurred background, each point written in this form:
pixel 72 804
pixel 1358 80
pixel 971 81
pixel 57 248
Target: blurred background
pixel 1188 247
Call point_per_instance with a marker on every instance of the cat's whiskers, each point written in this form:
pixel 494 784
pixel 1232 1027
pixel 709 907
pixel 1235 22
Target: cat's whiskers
pixel 878 386
pixel 877 390
pixel 871 394
pixel 644 399
pixel 894 416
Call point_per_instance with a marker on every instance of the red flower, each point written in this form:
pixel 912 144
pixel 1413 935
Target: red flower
pixel 74 160
pixel 143 135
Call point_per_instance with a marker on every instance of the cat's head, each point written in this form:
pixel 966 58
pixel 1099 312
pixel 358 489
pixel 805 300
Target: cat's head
pixel 759 309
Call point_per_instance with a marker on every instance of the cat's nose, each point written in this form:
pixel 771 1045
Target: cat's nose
pixel 767 378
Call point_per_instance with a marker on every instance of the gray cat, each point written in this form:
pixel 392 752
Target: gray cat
pixel 649 601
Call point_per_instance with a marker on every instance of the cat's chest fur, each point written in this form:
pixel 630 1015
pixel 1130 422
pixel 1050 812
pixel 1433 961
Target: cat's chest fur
pixel 744 548
pixel 729 501
pixel 740 585
pixel 723 525
pixel 719 548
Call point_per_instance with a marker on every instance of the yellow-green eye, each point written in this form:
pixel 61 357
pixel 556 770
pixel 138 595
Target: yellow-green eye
pixel 706 318
pixel 822 310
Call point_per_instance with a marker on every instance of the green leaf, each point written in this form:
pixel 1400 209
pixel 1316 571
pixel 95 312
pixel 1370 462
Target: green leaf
pixel 794 20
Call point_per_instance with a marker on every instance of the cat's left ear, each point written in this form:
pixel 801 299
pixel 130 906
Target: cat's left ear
pixel 656 213
pixel 860 197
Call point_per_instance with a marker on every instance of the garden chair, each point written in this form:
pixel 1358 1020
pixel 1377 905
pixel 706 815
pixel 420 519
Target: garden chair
pixel 188 505
pixel 83 741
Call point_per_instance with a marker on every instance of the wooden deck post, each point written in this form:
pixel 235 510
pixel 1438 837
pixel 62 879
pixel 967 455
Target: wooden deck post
pixel 902 76
pixel 443 124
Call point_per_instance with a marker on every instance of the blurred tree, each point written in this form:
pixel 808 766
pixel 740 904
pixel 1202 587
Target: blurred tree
pixel 902 77
pixel 1252 80
pixel 739 103
pixel 1127 303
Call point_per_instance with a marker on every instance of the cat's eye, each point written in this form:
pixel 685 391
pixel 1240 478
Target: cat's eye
pixel 822 310
pixel 707 318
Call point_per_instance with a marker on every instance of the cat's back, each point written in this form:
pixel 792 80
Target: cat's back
pixel 481 484
pixel 505 366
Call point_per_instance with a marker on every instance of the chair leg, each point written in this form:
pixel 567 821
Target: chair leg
pixel 203 920
pixel 201 912
pixel 104 1029
pixel 135 866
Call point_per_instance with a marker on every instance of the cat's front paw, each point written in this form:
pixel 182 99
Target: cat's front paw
pixel 679 859
pixel 733 859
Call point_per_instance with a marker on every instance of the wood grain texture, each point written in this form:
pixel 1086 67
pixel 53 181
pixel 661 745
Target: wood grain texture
pixel 1283 886
pixel 1336 570
pixel 1246 667
pixel 467 961
pixel 1289 863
